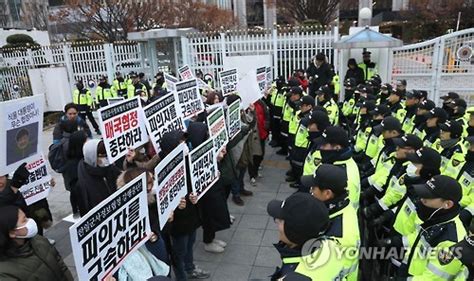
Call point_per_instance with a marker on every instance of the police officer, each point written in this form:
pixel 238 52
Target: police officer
pixel 317 124
pixel 450 144
pixel 421 116
pixel 385 91
pixel 301 142
pixel 302 221
pixel 347 111
pixel 289 109
pixel 441 228
pixel 135 86
pixel 363 131
pixel 367 66
pixel 277 100
pixel 104 92
pixel 412 101
pixel 459 111
pixel 328 185
pixel 83 99
pixel 119 85
pixel 394 189
pixel 335 150
pixel 396 106
pixel 431 131
pixel 401 87
pixel 464 252
pixel 325 100
pixel 447 99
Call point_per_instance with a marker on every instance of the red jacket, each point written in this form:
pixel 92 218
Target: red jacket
pixel 262 121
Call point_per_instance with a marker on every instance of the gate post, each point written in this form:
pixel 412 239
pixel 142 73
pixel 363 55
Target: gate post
pixel 184 51
pixel 437 65
pixel 223 50
pixel 69 67
pixel 109 62
pixel 275 51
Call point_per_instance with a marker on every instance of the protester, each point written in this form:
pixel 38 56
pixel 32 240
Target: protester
pixel 74 154
pixel 319 74
pixel 69 123
pixel 97 177
pixel 24 255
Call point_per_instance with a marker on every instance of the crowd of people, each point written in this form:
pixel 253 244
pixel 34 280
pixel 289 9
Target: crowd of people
pixel 381 168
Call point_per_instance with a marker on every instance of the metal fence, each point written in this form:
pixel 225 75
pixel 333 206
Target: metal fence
pixel 290 49
pixel 440 65
pixel 83 61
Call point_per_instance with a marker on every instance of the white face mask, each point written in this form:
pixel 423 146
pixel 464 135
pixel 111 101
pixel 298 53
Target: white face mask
pixel 411 170
pixel 31 227
pixel 103 162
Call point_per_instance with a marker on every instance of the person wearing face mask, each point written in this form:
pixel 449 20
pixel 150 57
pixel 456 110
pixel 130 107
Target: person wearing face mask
pixel 375 138
pixel 367 65
pixel 363 93
pixel 385 91
pixel 447 99
pixel 354 72
pixel 411 106
pixel 96 176
pixel 438 209
pixel 459 106
pixel 119 85
pixel 334 148
pixel 159 81
pixel 82 98
pixel 464 252
pixel 375 83
pixel 450 144
pixel 319 74
pixel 423 165
pixel 302 221
pixel 363 130
pixel 431 131
pixel 329 185
pixel 318 122
pixel 325 99
pixel 289 108
pixel 277 100
pixel 104 91
pixel 347 110
pixel 419 122
pixel 24 255
pixel 462 169
pixel 394 188
pixel 301 143
pixel 397 108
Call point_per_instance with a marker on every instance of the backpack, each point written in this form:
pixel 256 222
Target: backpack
pixel 57 157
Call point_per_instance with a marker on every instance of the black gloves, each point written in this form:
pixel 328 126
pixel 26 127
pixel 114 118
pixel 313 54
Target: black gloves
pixel 20 177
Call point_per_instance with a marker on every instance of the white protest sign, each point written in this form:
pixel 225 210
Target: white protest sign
pixel 170 180
pixel 35 189
pixel 233 119
pixel 228 80
pixel 189 99
pixel 123 127
pixel 114 100
pixel 248 89
pixel 185 72
pixel 20 130
pixel 170 81
pixel 203 85
pixel 269 76
pixel 203 167
pixel 217 128
pixel 162 116
pixel 102 239
pixel 262 78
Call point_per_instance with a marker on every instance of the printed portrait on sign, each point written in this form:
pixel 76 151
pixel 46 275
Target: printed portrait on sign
pixel 22 142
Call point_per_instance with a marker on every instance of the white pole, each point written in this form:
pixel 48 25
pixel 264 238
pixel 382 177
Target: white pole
pixel 459 20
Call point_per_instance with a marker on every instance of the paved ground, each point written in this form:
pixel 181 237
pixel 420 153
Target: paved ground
pixel 249 255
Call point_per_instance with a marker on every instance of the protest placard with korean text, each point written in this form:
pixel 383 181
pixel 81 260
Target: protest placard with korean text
pixel 217 128
pixel 170 81
pixel 229 79
pixel 189 99
pixel 170 181
pixel 123 127
pixel 20 131
pixel 35 187
pixel 233 119
pixel 262 78
pixel 163 115
pixel 185 72
pixel 203 167
pixel 107 234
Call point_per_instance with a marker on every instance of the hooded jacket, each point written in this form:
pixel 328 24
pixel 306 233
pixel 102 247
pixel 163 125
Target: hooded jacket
pixel 95 183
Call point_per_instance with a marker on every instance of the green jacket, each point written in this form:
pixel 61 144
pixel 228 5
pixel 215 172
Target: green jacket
pixel 36 260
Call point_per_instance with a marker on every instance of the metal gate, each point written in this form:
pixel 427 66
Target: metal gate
pixel 441 65
pixel 84 61
pixel 291 49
